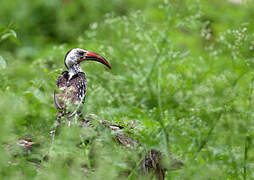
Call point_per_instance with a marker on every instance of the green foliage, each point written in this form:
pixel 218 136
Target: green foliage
pixel 182 70
pixel 8 33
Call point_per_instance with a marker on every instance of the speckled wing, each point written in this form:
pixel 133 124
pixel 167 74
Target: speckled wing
pixel 80 83
pixel 70 92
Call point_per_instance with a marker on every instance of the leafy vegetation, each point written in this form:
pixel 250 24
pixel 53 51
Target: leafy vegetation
pixel 182 70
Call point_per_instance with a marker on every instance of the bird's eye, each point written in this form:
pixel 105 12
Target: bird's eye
pixel 81 53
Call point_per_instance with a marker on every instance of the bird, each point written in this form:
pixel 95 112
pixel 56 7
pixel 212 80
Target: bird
pixel 72 84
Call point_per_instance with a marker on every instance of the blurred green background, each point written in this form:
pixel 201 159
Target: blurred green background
pixel 183 70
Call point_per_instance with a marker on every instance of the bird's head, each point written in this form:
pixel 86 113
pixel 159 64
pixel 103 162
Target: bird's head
pixel 77 55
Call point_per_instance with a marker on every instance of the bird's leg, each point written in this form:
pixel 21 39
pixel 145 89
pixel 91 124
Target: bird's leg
pixel 57 123
pixel 80 115
pixel 68 120
pixel 59 116
pixel 70 117
pixel 75 118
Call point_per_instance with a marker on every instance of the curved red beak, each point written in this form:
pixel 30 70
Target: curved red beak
pixel 95 57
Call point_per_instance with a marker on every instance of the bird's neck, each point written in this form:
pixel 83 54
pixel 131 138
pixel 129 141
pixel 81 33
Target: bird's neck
pixel 75 69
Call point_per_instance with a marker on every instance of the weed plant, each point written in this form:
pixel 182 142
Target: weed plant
pixel 183 71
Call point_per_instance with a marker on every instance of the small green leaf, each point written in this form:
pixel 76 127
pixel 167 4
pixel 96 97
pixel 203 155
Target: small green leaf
pixel 11 34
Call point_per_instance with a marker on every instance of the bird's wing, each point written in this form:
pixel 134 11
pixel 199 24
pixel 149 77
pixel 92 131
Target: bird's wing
pixel 81 85
pixel 59 94
pixel 71 92
pixel 62 80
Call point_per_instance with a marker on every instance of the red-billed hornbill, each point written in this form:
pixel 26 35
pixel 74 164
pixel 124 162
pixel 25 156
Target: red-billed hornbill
pixel 72 84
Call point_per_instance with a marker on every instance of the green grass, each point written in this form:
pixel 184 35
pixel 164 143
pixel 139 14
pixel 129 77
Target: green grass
pixel 182 71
